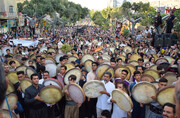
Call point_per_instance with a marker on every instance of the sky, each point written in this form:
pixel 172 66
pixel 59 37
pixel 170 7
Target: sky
pixel 96 4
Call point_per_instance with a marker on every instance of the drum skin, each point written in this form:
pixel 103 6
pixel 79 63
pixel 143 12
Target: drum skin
pixel 152 73
pixel 76 93
pixel 92 88
pixel 166 94
pixel 122 100
pixel 102 69
pixel 154 67
pixel 170 59
pixel 51 68
pixel 10 88
pixel 12 77
pixel 148 78
pixel 118 72
pixel 134 63
pixel 143 91
pixel 171 77
pixel 161 60
pixel 27 63
pixel 30 71
pixel 73 71
pixel 22 68
pixel 87 57
pixel 5 114
pixel 58 57
pixel 135 57
pixel 72 58
pixel 12 100
pixel 50 94
pixel 127 49
pixel 52 81
pixel 69 66
pixel 122 57
pixel 25 84
pixel 131 68
pixel 88 65
pixel 16 61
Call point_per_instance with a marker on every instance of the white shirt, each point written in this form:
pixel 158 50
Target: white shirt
pixel 91 76
pixel 41 81
pixel 102 100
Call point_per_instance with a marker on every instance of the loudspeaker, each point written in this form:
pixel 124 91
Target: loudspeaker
pixel 167 40
pixel 158 40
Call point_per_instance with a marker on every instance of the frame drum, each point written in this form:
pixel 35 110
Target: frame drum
pixel 52 81
pixel 12 100
pixel 25 84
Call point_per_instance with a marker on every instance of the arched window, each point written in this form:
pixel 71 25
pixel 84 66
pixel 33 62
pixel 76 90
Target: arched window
pixel 11 9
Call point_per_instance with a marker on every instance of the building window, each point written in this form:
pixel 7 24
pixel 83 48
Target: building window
pixel 11 9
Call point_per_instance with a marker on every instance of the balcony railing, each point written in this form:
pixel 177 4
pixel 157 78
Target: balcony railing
pixel 7 15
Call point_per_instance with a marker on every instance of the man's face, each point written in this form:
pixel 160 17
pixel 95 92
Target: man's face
pixel 38 60
pixel 140 69
pixel 113 64
pixel 80 56
pixel 107 77
pixel 45 75
pixel 123 75
pixel 162 85
pixel 120 86
pixel 137 77
pixel 21 77
pixel 168 112
pixel 63 70
pixel 71 81
pixel 119 62
pixel 6 68
pixel 94 67
pixel 100 61
pixel 35 80
pixel 140 63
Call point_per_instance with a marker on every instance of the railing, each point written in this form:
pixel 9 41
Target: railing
pixel 7 15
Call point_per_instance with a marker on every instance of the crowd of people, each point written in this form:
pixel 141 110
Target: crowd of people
pixel 106 48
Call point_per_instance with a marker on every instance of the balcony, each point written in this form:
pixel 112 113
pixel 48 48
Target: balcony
pixel 5 15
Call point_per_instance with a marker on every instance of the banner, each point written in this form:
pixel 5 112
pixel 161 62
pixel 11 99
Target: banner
pixel 11 23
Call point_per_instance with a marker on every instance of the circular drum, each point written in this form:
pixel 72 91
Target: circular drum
pixel 75 72
pixel 170 59
pixel 27 63
pixel 22 68
pixel 72 58
pixel 51 50
pixel 18 57
pixel 76 93
pixel 155 56
pixel 92 88
pixel 87 57
pixel 52 81
pixel 25 84
pixel 148 78
pixel 122 100
pixel 135 57
pixel 127 49
pixel 60 79
pixel 131 68
pixel 50 61
pixel 102 69
pixel 152 73
pixel 134 63
pixel 161 60
pixel 58 56
pixel 88 65
pixel 143 91
pixel 30 71
pixel 12 100
pixel 10 88
pixel 154 67
pixel 5 114
pixel 12 77
pixel 118 72
pixel 165 95
pixel 51 68
pixel 106 57
pixel 16 61
pixel 122 57
pixel 69 66
pixel 50 94
pixel 171 77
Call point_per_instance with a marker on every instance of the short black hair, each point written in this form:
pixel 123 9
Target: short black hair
pixel 162 72
pixel 100 57
pixel 170 105
pixel 72 77
pixel 97 64
pixel 106 114
pixel 42 68
pixel 20 72
pixel 140 59
pixel 159 67
pixel 125 71
pixel 61 58
pixel 136 72
pixel 35 74
pixel 108 73
pixel 24 59
pixel 63 66
pixel 42 58
pixel 139 66
pixel 163 80
pixel 113 60
pixel 118 59
pixel 46 72
pixel 11 62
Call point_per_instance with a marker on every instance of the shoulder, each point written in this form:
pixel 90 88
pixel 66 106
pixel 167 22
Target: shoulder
pixel 29 88
pixel 41 86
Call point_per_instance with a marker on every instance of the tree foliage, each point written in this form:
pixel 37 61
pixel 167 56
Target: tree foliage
pixel 67 10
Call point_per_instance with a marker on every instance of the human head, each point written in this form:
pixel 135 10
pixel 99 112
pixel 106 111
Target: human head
pixel 140 69
pixel 45 75
pixel 119 62
pixel 162 74
pixel 35 79
pixel 162 83
pixel 124 74
pixel 147 65
pixel 107 76
pixel 80 55
pixel 137 76
pixel 169 111
pixel 62 60
pixel 38 59
pixel 113 63
pixel 121 85
pixel 140 61
pixel 100 60
pixel 94 66
pixel 12 64
pixel 21 75
pixel 72 79
pixel 63 69
pixel 105 114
